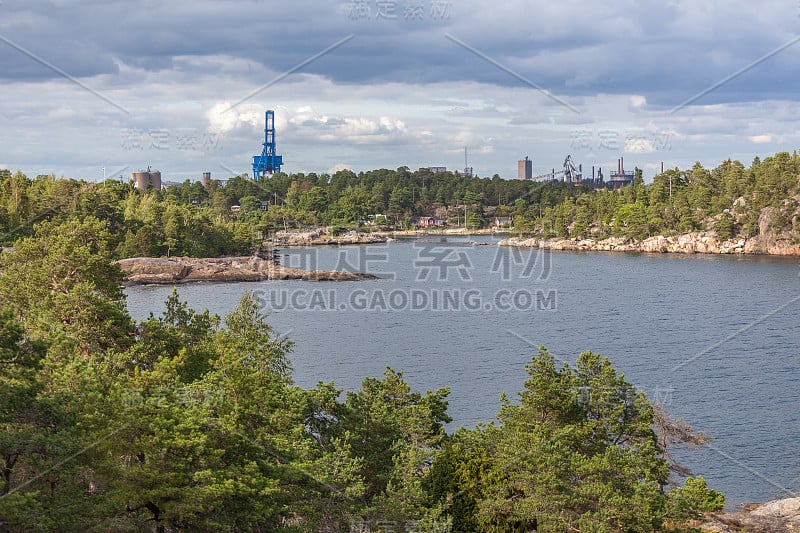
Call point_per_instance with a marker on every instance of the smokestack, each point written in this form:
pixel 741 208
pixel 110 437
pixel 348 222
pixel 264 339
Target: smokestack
pixel 592 172
pixel 622 165
pixel 662 167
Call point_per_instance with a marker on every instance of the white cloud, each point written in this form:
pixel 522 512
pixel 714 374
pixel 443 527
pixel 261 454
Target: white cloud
pixel 638 101
pixel 420 108
pixel 337 167
pixel 62 112
pixel 639 145
pixel 222 119
pixel 465 137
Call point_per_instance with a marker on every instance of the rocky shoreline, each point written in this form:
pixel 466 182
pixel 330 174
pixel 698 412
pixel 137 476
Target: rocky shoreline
pixel 689 243
pixel 769 239
pixel 173 270
pixel 777 516
pixel 320 237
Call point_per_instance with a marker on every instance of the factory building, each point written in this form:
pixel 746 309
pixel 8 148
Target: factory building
pixel 525 169
pixel 620 178
pixel 143 178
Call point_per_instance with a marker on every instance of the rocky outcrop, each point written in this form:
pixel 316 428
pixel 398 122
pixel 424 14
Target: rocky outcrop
pixel 778 516
pixel 769 240
pixel 689 243
pixel 777 233
pixel 320 237
pixel 174 270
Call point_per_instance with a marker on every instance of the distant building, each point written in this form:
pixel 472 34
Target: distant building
pixel 235 208
pixel 525 169
pixel 620 178
pixel 428 222
pixel 502 222
pixel 437 170
pixel 206 178
pixel 263 205
pixel 145 178
pixel 377 218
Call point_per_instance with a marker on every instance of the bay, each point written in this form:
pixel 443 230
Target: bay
pixel 714 338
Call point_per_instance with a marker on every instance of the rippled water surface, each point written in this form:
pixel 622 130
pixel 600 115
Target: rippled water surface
pixel 715 338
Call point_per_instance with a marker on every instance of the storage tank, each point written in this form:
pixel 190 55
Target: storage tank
pixel 143 178
pixel 140 179
pixel 155 179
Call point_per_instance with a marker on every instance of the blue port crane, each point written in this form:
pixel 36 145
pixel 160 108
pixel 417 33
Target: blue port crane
pixel 268 162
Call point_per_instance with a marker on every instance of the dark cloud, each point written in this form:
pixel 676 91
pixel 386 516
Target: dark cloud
pixel 665 51
pixel 623 65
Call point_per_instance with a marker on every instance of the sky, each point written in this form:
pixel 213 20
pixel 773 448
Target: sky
pixel 94 87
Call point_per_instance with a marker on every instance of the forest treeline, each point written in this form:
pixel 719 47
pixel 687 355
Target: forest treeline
pixel 191 422
pixel 193 220
pixel 728 199
pixel 198 221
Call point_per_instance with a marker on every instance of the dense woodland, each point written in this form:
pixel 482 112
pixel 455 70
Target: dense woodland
pixel 190 422
pixel 193 220
pixel 197 221
pixel 727 199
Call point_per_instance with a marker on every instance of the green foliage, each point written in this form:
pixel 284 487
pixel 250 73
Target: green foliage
pixel 23 418
pixel 694 499
pixel 631 221
pixel 593 452
pixel 676 202
pixel 387 420
pixel 354 205
pixel 577 453
pixel 191 422
pixel 457 477
pixel 62 281
pixel 185 422
pixel 193 220
pixel 725 226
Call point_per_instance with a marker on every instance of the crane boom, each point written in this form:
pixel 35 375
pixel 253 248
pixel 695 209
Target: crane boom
pixel 571 173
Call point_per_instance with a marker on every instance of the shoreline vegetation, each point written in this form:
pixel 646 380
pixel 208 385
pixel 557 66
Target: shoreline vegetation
pixel 690 243
pixel 765 242
pixel 758 204
pixel 176 270
pixel 776 516
pixel 191 421
pixel 197 425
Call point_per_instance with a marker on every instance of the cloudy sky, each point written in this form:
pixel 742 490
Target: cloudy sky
pixel 183 85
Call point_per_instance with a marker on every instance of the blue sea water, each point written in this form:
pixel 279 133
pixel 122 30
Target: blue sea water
pixel 714 338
